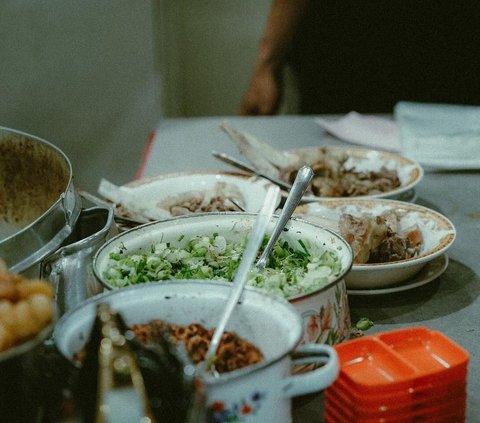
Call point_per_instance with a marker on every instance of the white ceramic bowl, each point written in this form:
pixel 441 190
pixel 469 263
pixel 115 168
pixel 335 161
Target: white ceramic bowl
pixel 325 310
pixel 151 198
pixel 437 230
pixel 409 171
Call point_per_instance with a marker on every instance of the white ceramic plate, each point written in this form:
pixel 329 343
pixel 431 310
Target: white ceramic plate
pixel 438 234
pixel 152 197
pixel 431 271
pixel 409 171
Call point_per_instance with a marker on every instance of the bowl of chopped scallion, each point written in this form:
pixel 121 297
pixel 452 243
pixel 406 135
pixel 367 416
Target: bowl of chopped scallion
pixel 307 265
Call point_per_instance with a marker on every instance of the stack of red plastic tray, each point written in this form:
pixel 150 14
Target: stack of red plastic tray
pixel 407 375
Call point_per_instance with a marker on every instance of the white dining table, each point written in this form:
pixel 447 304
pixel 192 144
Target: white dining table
pixel 450 304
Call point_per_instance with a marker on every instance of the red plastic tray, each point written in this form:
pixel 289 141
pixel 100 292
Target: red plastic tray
pixel 400 397
pixel 457 400
pixel 443 413
pixel 401 359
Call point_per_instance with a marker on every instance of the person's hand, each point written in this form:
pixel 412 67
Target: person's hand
pixel 264 93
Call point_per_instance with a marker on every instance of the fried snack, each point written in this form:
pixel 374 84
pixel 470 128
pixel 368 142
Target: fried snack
pixel 26 307
pixel 233 352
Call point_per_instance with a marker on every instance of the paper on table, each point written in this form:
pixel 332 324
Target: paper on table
pixel 366 130
pixel 442 136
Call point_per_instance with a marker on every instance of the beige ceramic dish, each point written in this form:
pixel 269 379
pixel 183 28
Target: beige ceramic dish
pixel 438 233
pixel 409 171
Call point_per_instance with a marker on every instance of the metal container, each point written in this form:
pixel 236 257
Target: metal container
pixel 69 268
pixel 38 203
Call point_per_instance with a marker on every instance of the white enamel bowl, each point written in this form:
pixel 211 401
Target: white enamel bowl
pixel 325 310
pixel 271 324
pixel 438 234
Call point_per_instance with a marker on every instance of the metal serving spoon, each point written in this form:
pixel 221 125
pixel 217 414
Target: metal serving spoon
pixel 254 241
pixel 302 180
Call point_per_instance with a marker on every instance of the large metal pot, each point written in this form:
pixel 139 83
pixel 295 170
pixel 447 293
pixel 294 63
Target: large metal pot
pixel 38 203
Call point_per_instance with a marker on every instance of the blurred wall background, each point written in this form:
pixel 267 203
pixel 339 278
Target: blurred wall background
pixel 95 77
pixel 82 74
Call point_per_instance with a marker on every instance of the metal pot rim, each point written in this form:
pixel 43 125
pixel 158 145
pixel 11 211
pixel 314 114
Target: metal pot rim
pixel 61 215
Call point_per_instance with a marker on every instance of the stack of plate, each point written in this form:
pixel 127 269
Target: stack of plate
pixel 407 375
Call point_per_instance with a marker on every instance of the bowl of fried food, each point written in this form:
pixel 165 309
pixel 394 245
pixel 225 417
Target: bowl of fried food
pixel 392 241
pixel 26 320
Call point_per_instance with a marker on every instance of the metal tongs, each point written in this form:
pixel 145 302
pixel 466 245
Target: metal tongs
pixel 232 161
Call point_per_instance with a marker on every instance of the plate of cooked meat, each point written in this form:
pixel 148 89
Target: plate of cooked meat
pixel 340 171
pixel 392 241
pixel 175 194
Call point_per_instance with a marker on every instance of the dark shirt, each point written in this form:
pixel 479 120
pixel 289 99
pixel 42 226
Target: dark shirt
pixel 368 55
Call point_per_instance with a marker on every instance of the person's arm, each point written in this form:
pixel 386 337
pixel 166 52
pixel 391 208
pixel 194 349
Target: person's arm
pixel 264 93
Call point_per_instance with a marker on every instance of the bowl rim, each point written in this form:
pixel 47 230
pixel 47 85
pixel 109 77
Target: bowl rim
pixel 211 215
pixel 253 178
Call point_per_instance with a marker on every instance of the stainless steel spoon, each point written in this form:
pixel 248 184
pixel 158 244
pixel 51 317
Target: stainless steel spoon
pixel 248 257
pixel 303 179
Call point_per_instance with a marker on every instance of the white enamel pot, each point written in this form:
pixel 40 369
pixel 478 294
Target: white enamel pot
pixel 258 393
pixel 325 312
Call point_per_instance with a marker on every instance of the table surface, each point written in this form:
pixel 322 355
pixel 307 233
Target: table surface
pixel 450 304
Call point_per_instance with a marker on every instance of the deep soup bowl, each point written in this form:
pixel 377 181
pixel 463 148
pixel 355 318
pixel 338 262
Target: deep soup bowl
pixel 257 393
pixel 324 310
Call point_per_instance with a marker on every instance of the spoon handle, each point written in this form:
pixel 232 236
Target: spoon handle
pixel 254 242
pixel 303 179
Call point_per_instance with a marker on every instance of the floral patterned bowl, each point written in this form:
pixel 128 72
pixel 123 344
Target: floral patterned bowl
pixel 257 393
pixel 324 311
pixel 437 233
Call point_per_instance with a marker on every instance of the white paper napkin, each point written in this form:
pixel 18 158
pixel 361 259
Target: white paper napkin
pixel 366 130
pixel 441 136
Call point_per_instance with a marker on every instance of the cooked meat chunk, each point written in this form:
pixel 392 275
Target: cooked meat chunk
pixel 377 239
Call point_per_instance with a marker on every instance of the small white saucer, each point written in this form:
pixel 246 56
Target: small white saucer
pixel 431 271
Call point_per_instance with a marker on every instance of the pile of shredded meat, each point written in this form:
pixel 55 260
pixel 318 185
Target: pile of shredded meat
pixel 217 199
pixel 332 178
pixel 202 204
pixel 233 352
pixel 379 239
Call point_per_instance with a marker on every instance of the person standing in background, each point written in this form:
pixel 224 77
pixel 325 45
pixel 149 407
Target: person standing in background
pixel 367 55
